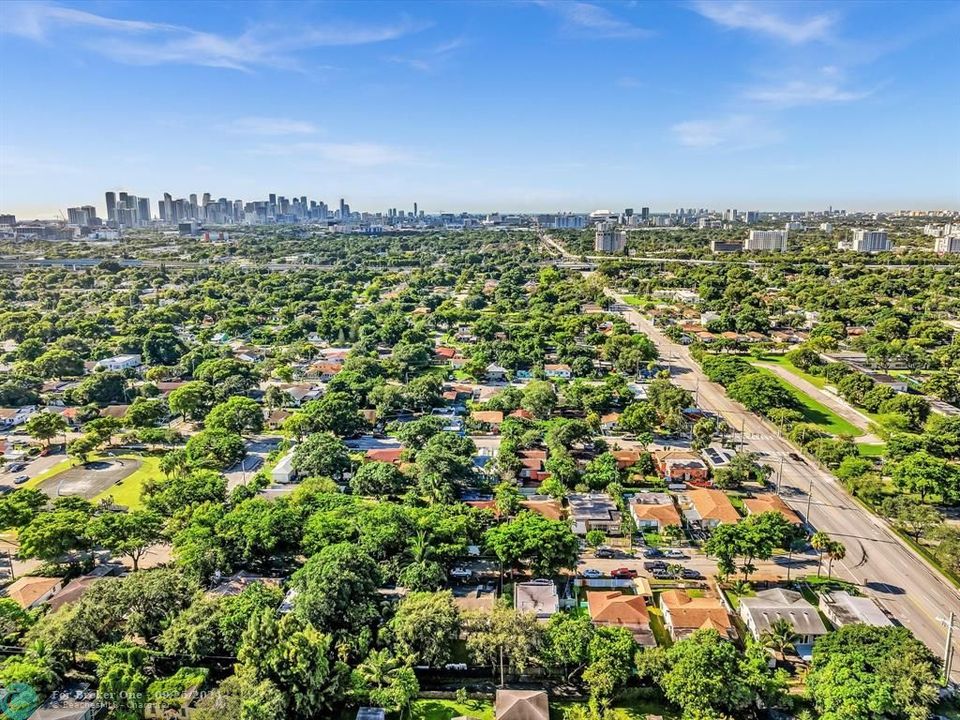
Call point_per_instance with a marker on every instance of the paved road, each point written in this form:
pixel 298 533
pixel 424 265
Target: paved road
pixel 837 404
pixel 909 589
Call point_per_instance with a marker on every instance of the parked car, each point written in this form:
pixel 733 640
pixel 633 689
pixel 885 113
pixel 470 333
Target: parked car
pixel 652 553
pixel 691 574
pixel 21 479
pixel 654 565
pixel 623 573
pixel 15 467
pixel 461 573
pixel 604 552
pixel 674 554
pixel 662 574
pixel 591 573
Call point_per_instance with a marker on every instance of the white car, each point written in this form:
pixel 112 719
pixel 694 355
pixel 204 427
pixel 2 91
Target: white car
pixel 591 573
pixel 675 554
pixel 461 573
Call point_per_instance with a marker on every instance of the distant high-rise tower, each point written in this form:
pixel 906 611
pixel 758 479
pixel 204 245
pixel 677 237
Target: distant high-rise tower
pixel 111 206
pixel 343 209
pixel 415 212
pixel 608 238
pixel 645 213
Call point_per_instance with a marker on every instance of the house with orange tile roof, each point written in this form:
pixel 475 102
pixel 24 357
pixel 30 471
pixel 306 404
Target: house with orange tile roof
pixel 490 419
pixel 30 592
pixel 614 609
pixel 677 466
pixel 654 511
pixel 626 458
pixel 710 508
pixel 609 422
pixel 771 502
pixel 684 615
pixel 387 455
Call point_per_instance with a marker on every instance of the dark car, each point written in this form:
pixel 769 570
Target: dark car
pixel 652 553
pixel 604 552
pixel 623 573
pixel 797 458
pixel 654 565
pixel 690 574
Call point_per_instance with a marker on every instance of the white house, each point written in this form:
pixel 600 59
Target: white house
pixel 119 362
pixel 842 608
pixel 558 371
pixel 761 612
pixel 283 471
pixel 11 417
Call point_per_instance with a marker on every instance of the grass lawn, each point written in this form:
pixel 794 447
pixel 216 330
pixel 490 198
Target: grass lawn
pixel 50 472
pixel 872 451
pixel 816 413
pixel 127 491
pixel 782 361
pixel 634 301
pixel 447 709
pixel 483 710
pixel 660 633
pixel 652 539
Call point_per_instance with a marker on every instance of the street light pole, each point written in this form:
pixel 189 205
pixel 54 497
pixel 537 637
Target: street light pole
pixel 948 648
pixel 809 499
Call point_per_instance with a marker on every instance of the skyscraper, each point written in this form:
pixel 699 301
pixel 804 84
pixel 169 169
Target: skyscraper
pixel 608 238
pixel 111 207
pixel 144 206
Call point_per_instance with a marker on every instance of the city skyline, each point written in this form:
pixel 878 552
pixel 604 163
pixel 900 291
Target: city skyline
pixel 526 107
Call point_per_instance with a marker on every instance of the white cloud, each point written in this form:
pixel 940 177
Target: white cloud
pixel 583 17
pixel 269 126
pixel 802 92
pixel 432 58
pixel 160 43
pixel 756 17
pixel 733 132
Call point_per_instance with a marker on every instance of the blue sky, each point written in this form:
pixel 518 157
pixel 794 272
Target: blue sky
pixel 483 105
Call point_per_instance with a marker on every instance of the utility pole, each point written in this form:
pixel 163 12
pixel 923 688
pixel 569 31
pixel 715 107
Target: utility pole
pixel 743 442
pixel 809 500
pixel 780 475
pixel 948 648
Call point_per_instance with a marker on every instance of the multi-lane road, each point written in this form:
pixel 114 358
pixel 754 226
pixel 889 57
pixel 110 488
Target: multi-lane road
pixel 888 570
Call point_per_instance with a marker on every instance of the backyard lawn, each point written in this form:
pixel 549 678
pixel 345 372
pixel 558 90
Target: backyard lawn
pixel 483 710
pixel 447 709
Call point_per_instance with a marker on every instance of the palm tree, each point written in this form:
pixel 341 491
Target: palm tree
pixel 820 542
pixel 173 462
pixel 378 669
pixel 780 637
pixel 835 551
